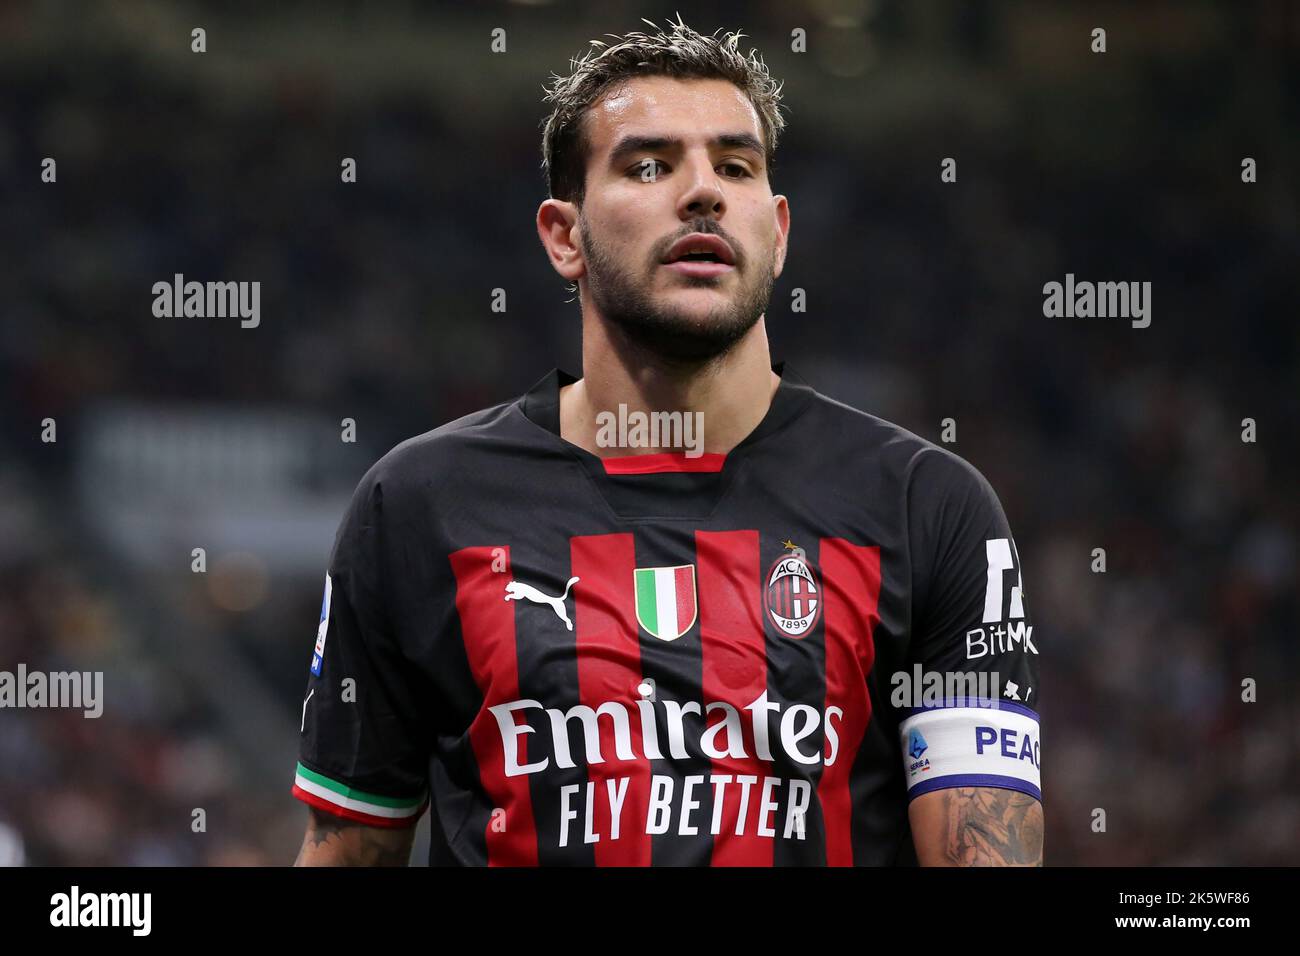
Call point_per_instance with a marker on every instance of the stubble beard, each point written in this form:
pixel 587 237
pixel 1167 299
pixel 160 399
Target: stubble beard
pixel 665 332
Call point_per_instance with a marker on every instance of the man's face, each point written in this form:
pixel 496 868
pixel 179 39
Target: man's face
pixel 667 159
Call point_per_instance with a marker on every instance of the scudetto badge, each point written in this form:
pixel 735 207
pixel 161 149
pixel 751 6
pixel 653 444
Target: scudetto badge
pixel 792 597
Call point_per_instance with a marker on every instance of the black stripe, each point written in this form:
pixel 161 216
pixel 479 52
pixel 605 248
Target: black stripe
pixel 547 655
pixel 796 674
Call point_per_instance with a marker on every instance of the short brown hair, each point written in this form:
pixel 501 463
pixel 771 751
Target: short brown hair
pixel 680 52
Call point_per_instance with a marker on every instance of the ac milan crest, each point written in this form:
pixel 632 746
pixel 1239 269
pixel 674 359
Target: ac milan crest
pixel 792 597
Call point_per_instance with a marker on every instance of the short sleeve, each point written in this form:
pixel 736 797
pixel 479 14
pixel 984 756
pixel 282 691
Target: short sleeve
pixel 364 745
pixel 973 651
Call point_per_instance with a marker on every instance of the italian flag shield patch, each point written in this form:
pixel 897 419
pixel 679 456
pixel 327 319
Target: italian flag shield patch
pixel 665 600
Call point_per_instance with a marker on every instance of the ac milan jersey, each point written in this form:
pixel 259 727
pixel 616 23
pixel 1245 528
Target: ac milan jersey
pixel 746 659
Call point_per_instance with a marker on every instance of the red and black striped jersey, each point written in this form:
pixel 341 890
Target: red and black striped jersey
pixel 750 659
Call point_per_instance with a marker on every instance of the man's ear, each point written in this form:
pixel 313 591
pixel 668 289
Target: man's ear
pixel 781 209
pixel 557 227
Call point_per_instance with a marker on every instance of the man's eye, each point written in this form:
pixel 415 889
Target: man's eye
pixel 737 166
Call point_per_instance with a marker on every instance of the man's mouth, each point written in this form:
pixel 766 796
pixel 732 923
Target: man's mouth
pixel 702 266
pixel 700 255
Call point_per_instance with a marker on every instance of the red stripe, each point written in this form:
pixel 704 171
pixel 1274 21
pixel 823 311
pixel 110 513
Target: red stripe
pixel 734 653
pixel 684 585
pixel 320 803
pixel 664 461
pixel 487 622
pixel 609 669
pixel 851 594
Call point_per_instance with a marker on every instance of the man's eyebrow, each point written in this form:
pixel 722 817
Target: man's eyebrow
pixel 640 144
pixel 741 141
pixel 633 143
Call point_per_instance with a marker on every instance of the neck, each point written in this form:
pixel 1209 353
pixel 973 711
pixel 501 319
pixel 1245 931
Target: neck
pixel 727 396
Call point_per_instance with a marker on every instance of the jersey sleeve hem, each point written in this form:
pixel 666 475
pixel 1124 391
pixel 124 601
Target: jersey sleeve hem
pixel 992 781
pixel 333 796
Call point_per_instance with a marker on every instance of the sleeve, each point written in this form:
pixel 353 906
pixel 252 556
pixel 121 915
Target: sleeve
pixel 972 653
pixel 364 745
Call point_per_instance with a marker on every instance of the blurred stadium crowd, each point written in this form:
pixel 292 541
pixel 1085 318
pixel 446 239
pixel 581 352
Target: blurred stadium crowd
pixel 924 303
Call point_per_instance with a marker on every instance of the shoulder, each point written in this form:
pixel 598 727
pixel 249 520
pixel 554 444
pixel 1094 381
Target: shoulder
pixel 423 462
pixel 921 465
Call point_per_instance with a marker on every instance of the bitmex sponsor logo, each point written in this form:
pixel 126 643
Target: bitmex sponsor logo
pixel 1015 635
pixel 662 725
pixel 71 689
pixel 75 908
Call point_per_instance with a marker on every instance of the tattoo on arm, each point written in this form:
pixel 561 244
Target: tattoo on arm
pixel 334 841
pixel 990 827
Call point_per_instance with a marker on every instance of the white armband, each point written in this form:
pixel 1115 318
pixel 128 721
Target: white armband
pixel 981 746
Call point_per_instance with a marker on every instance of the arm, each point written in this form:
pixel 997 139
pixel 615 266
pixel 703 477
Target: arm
pixel 365 720
pixel 334 841
pixel 972 760
pixel 977 826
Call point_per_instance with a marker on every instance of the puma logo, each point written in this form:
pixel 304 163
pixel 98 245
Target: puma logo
pixel 517 590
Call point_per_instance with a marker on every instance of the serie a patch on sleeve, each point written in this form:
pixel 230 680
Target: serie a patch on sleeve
pixel 980 746
pixel 318 655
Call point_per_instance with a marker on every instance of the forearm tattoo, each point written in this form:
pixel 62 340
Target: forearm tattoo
pixel 332 840
pixel 989 827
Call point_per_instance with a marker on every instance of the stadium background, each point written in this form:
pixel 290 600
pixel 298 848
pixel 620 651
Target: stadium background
pixel 924 303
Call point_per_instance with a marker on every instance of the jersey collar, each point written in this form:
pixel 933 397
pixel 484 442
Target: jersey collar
pixel 541 404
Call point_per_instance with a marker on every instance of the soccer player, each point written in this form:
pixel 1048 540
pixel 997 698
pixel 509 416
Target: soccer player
pixel 678 611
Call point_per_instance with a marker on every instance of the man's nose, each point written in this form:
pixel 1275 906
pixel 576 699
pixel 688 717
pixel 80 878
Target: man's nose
pixel 704 196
